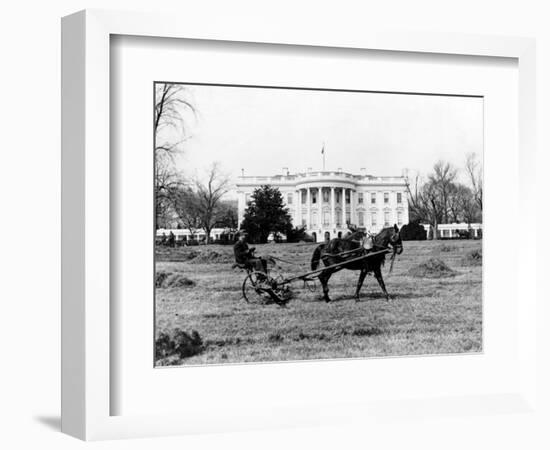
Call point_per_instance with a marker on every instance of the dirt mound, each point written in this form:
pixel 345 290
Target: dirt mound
pixel 432 268
pixel 167 254
pixel 213 256
pixel 178 343
pixel 201 256
pixel 171 280
pixel 188 255
pixel 473 258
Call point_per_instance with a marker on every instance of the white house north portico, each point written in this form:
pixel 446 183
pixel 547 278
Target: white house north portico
pixel 327 202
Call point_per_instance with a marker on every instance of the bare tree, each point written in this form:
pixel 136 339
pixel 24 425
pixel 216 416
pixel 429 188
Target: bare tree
pixel 226 215
pixel 428 201
pixel 209 193
pixel 417 209
pixel 171 103
pixel 475 174
pixel 187 208
pixel 431 198
pixel 198 204
pixel 167 180
pixel 171 106
pixel 462 205
pixel 442 181
pixel 441 198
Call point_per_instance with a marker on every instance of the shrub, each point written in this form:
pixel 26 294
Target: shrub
pixel 178 343
pixel 296 234
pixel 413 232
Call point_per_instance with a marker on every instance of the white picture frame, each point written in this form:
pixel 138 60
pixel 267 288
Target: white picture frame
pixel 86 315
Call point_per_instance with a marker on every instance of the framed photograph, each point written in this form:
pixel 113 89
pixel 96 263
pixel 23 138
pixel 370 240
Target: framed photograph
pixel 288 233
pixel 267 228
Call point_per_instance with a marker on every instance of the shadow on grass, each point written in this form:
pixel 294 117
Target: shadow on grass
pixel 366 296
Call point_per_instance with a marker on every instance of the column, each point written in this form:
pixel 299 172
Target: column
pixel 343 208
pixel 332 209
pixel 241 208
pixel 308 215
pixel 352 206
pixel 298 215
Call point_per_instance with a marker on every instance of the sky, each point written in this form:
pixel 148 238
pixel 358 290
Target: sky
pixel 262 130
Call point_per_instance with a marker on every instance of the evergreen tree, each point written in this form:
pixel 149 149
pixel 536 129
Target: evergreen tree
pixel 266 214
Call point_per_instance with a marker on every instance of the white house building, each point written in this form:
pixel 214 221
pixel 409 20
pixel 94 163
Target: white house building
pixel 327 201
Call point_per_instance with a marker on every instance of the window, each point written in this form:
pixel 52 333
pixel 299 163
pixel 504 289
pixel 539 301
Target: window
pixel 373 198
pixel 386 219
pixel 338 197
pixel 361 219
pixel 348 217
pixel 325 195
pixel 399 218
pixel 314 219
pixel 313 197
pixel 386 197
pixel 348 197
pixel 360 198
pixel 304 220
pixel 373 219
pixel 247 198
pixel 304 197
pixel 289 199
pixel 399 197
pixel 326 218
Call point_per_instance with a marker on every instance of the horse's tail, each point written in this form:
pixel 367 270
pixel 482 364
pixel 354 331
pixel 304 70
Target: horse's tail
pixel 316 257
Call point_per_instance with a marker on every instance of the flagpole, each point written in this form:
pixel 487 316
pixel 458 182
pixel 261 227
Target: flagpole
pixel 323 152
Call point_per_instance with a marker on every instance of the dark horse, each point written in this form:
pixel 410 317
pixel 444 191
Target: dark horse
pixel 354 246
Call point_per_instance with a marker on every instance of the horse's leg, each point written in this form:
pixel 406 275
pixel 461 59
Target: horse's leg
pixel 378 275
pixel 362 276
pixel 324 276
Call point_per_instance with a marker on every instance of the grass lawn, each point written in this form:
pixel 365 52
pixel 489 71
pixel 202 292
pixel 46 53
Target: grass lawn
pixel 431 311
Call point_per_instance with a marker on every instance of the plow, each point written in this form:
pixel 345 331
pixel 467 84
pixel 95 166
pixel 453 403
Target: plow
pixel 263 288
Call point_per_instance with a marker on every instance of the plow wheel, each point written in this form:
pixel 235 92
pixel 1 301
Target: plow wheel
pixel 256 288
pixel 261 289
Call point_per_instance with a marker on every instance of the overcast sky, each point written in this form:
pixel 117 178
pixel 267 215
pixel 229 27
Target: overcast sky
pixel 262 130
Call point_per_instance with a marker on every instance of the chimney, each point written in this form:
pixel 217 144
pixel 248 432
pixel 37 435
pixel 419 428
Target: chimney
pixel 309 169
pixel 242 172
pixel 285 170
pixel 339 169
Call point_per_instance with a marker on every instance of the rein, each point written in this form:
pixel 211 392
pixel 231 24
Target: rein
pixel 283 260
pixel 392 259
pixel 393 255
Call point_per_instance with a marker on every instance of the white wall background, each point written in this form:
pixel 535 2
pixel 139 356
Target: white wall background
pixel 30 192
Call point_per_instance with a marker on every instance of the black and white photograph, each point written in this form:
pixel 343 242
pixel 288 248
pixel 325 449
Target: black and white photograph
pixel 297 224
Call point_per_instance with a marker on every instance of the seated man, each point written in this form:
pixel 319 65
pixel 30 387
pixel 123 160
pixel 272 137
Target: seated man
pixel 245 255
